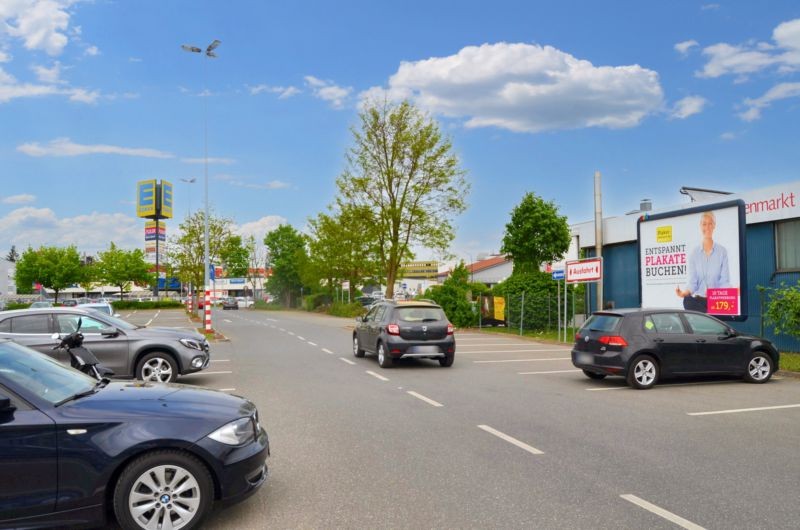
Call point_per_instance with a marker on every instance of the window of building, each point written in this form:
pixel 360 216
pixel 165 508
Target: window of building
pixel 787 244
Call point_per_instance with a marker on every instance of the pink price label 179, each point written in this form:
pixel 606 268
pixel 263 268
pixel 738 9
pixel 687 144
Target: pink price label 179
pixel 723 301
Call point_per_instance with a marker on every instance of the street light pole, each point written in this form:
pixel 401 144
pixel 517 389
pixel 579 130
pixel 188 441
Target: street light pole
pixel 207 276
pixel 189 194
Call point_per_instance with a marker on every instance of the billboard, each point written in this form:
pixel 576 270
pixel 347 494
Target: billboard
pixel 150 231
pixel 695 259
pixel 146 198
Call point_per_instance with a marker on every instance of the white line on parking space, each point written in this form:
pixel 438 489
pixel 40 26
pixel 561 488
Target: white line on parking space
pixel 511 440
pixel 601 388
pixel 348 361
pixel 661 512
pixel 312 343
pixel 510 351
pixel 272 320
pixel 291 333
pixel 299 337
pixel 733 411
pixel 227 389
pixel 220 360
pixel 215 373
pixel 550 372
pixel 523 360
pixel 377 376
pixel 226 320
pixel 281 329
pixel 326 350
pixel 526 344
pixel 427 400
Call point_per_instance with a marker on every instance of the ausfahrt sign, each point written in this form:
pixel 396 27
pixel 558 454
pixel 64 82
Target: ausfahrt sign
pixel 585 270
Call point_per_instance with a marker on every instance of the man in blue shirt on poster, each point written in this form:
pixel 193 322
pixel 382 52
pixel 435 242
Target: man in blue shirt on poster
pixel 708 268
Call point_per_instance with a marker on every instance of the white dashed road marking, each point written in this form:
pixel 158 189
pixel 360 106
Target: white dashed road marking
pixel 326 350
pixel 376 376
pixel 312 343
pixel 427 400
pixel 510 351
pixel 348 361
pixel 299 337
pixel 733 411
pixel 661 512
pixel 550 372
pixel 215 373
pixel 511 440
pixel 226 320
pixel 220 360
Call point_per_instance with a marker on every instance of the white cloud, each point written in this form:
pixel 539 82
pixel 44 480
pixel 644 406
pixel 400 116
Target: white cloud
pixel 89 233
pixel 688 106
pixel 328 91
pixel 6 78
pixel 41 24
pixel 684 47
pixel 283 92
pixel 258 229
pixel 50 75
pixel 776 93
pixel 728 136
pixel 709 7
pixel 744 59
pixel 66 147
pixel 24 198
pixel 526 88
pixel 5 57
pixel 134 59
pixel 211 160
pixel 232 180
pixel 92 51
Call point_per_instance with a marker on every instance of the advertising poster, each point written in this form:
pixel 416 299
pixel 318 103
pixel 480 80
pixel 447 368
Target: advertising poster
pixel 694 259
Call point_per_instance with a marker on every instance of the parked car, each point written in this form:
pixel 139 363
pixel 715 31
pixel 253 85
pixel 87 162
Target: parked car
pixel 245 301
pixel 644 346
pixel 41 303
pixel 230 303
pixel 69 302
pixel 73 449
pixel 102 307
pixel 396 330
pixel 150 354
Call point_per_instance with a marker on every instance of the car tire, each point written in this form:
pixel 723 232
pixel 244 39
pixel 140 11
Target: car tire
pixel 157 367
pixel 384 359
pixel 158 475
pixel 357 351
pixel 760 368
pixel 643 372
pixel 447 360
pixel 594 375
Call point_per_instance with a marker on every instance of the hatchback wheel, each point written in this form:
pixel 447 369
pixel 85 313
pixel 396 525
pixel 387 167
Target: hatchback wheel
pixel 447 360
pixel 158 367
pixel 357 351
pixel 593 375
pixel 163 489
pixel 643 372
pixel 759 369
pixel 384 359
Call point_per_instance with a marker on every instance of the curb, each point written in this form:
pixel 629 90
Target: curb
pixel 784 373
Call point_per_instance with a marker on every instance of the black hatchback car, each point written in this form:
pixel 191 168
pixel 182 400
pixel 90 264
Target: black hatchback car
pixel 397 330
pixel 645 345
pixel 156 455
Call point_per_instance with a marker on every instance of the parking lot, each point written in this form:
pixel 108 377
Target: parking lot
pixel 513 414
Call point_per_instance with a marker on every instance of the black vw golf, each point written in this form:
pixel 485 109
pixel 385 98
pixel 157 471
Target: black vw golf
pixel 645 345
pixel 156 455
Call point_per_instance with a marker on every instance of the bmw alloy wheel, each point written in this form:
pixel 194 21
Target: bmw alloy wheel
pixel 166 496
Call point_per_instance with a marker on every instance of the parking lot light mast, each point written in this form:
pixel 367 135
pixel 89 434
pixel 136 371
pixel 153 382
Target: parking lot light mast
pixel 206 266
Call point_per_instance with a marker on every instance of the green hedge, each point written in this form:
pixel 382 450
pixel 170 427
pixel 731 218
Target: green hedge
pixel 161 304
pixel 14 305
pixel 338 309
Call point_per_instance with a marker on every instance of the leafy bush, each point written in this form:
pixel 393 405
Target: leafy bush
pixel 270 306
pixel 314 301
pixel 540 295
pixel 783 310
pixel 132 304
pixel 453 296
pixel 338 309
pixel 15 305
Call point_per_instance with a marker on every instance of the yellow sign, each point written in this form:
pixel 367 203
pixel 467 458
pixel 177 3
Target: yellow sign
pixel 499 308
pixel 146 198
pixel 664 234
pixel 166 199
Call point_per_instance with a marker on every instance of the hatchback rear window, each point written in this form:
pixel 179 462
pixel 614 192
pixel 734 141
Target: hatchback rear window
pixel 420 314
pixel 602 323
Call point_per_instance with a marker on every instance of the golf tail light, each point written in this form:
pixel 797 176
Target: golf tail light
pixel 393 329
pixel 613 340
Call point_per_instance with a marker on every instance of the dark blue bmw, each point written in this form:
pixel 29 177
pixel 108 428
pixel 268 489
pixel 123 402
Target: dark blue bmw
pixel 155 455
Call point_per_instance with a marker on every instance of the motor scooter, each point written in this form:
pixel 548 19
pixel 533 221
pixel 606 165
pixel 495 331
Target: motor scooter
pixel 81 358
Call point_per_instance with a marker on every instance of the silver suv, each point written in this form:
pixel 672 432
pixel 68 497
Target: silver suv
pixel 150 354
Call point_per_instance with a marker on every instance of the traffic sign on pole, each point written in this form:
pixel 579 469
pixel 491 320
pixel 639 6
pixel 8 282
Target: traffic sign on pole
pixel 558 274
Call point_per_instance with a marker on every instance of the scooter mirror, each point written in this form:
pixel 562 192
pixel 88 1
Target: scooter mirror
pixel 55 336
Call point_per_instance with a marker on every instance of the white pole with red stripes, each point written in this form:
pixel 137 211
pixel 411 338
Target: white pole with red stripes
pixel 207 310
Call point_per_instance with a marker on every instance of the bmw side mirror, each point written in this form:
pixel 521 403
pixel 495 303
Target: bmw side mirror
pixel 5 405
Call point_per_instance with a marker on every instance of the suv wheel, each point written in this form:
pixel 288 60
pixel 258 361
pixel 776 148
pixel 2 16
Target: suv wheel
pixel 643 372
pixel 357 351
pixel 158 367
pixel 384 359
pixel 163 489
pixel 759 368
pixel 447 360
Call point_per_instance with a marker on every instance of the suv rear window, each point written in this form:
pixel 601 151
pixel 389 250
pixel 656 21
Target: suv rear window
pixel 602 323
pixel 420 314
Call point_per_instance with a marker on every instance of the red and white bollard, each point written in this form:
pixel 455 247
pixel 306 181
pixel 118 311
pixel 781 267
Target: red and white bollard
pixel 207 309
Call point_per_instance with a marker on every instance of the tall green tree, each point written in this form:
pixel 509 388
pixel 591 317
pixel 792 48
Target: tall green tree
pixel 122 268
pixel 536 234
pixel 289 261
pixel 12 255
pixel 55 268
pixel 186 251
pixel 342 248
pixel 404 175
pixel 234 256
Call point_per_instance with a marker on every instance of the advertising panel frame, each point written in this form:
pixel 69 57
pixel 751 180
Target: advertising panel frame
pixel 742 242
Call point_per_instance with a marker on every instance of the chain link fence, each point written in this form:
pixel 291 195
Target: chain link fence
pixel 533 311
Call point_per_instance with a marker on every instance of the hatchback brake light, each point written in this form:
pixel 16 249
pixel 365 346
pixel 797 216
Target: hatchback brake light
pixel 578 336
pixel 393 329
pixel 613 340
pixel 450 328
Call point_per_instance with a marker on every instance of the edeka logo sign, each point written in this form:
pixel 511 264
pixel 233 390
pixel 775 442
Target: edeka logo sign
pixel 146 198
pixel 664 234
pixel 772 204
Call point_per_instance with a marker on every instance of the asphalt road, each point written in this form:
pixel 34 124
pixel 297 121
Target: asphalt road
pixel 511 436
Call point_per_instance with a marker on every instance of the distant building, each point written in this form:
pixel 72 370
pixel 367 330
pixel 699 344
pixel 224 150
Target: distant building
pixel 8 284
pixel 489 271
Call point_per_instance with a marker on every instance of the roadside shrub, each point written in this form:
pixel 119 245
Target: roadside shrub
pixel 132 304
pixel 783 310
pixel 15 305
pixel 269 306
pixel 338 309
pixel 313 301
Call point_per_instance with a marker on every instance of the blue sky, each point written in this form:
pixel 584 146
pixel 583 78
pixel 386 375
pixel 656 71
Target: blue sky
pixel 536 96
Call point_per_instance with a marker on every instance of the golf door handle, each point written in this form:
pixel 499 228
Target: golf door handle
pixel 700 340
pixel 658 340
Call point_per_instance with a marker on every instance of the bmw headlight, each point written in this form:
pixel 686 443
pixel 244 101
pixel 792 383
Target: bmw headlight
pixel 238 432
pixel 191 343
